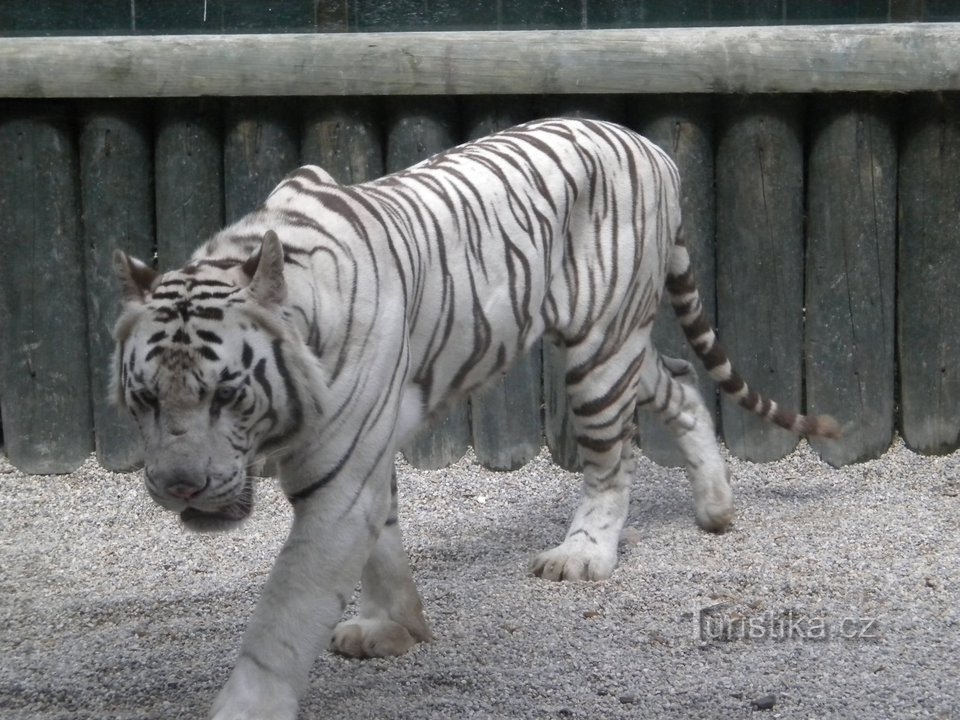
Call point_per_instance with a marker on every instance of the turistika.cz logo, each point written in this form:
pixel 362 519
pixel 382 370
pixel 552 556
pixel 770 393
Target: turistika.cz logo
pixel 723 622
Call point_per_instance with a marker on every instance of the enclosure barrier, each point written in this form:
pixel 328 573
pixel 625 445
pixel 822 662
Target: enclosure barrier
pixel 821 172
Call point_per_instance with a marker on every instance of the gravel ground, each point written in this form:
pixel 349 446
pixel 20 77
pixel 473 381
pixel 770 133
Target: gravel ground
pixel 836 594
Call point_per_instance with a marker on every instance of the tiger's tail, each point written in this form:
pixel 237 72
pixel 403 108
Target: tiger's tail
pixel 681 285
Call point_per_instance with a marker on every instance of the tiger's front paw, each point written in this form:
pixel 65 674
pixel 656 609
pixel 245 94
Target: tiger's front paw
pixel 575 559
pixel 253 694
pixel 373 637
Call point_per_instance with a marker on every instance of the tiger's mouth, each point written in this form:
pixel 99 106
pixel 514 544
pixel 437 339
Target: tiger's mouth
pixel 224 518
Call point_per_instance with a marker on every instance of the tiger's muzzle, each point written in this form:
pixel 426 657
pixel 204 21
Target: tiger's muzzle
pixel 206 501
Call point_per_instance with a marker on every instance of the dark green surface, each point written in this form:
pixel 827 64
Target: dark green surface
pixel 116 182
pixel 928 281
pixel 683 126
pixel 261 145
pixel 218 16
pixel 851 267
pixel 44 365
pixel 101 17
pixel 189 178
pixel 418 128
pixel 759 186
pixel 505 417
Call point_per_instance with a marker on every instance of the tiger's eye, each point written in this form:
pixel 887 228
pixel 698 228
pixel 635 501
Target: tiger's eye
pixel 224 394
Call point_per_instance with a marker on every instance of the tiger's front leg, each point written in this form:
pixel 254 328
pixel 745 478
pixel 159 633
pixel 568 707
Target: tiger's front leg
pixel 333 533
pixel 391 619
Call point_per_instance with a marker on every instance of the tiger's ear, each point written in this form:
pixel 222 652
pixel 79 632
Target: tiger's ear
pixel 136 277
pixel 265 267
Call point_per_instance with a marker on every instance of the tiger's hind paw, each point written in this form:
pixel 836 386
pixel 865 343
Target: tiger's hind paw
pixel 373 637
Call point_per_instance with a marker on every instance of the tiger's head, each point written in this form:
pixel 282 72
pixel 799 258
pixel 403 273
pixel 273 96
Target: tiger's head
pixel 211 370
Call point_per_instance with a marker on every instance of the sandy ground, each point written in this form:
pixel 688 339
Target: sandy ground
pixel 836 594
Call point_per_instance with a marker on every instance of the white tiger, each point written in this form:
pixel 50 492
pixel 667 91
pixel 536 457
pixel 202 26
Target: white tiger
pixel 325 327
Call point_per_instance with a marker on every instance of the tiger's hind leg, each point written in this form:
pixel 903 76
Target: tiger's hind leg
pixel 602 388
pixel 671 391
pixel 391 619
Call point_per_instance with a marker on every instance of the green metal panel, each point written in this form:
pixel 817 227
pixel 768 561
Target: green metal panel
pixel 217 16
pixel 759 181
pixel 928 283
pixel 394 15
pixel 44 365
pixel 65 17
pixel 851 265
pixel 543 14
pixel 116 171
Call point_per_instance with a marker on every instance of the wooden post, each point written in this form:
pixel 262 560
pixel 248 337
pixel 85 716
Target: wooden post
pixel 683 127
pixel 558 430
pixel 505 416
pixel 420 127
pixel 116 171
pixel 189 178
pixel 261 145
pixel 759 181
pixel 851 266
pixel 44 362
pixel 343 137
pixel 928 284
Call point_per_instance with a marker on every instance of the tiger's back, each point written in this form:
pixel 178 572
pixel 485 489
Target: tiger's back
pixel 484 247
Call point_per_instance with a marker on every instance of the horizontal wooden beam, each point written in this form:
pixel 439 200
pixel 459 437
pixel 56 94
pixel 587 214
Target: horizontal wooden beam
pixel 892 57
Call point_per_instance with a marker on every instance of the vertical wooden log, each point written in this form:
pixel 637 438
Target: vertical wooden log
pixel 683 126
pixel 557 428
pixel 505 416
pixel 851 256
pixel 189 178
pixel 261 145
pixel 419 128
pixel 342 136
pixel 928 283
pixel 116 156
pixel 44 362
pixel 759 185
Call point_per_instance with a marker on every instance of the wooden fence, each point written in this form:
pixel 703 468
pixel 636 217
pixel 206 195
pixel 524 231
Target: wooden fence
pixel 823 212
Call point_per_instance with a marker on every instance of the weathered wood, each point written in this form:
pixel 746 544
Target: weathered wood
pixel 189 178
pixel 928 284
pixel 759 187
pixel 419 128
pixel 116 183
pixel 824 58
pixel 44 363
pixel 505 416
pixel 261 145
pixel 851 270
pixel 683 127
pixel 343 137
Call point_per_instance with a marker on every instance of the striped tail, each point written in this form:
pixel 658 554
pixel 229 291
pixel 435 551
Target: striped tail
pixel 685 298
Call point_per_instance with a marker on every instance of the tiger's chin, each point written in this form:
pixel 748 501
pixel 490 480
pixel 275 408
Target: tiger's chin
pixel 221 519
pixel 209 521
